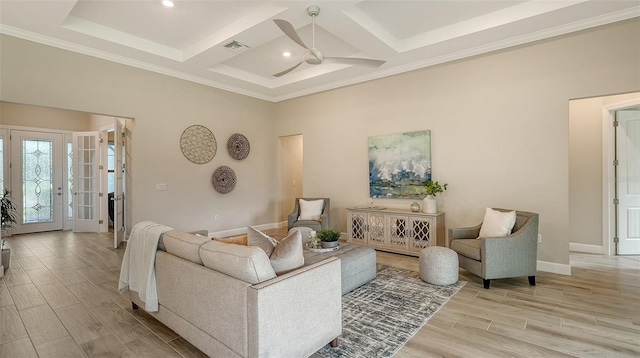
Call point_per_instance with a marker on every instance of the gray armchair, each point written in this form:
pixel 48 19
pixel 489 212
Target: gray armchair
pixel 323 223
pixel 490 258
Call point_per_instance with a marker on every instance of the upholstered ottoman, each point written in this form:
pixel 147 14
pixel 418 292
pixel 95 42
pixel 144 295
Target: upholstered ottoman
pixel 358 264
pixel 438 265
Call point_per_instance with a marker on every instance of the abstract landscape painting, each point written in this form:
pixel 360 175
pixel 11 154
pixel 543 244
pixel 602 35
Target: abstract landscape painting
pixel 399 165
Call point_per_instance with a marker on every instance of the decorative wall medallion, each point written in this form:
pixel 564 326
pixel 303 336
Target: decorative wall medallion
pixel 198 144
pixel 223 179
pixel 238 146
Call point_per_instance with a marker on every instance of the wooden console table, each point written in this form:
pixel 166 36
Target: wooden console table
pixel 396 230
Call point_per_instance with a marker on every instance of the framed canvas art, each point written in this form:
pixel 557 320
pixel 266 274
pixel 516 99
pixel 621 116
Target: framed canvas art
pixel 399 165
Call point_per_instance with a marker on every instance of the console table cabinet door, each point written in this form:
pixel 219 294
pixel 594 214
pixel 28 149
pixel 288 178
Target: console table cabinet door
pixel 399 234
pixel 375 230
pixel 395 230
pixel 422 233
pixel 357 227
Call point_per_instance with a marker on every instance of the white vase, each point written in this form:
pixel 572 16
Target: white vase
pixel 429 204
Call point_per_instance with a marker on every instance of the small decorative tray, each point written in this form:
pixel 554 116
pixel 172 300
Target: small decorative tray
pixel 313 249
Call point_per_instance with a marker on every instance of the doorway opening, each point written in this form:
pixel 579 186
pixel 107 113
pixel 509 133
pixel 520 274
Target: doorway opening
pixel 290 162
pixel 626 183
pixel 55 162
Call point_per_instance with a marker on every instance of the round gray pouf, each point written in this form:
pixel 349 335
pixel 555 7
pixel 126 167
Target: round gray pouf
pixel 439 265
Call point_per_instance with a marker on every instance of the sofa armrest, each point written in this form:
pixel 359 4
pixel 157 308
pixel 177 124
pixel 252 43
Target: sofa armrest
pixel 293 217
pixel 324 221
pixel 296 314
pixel 464 233
pixel 510 256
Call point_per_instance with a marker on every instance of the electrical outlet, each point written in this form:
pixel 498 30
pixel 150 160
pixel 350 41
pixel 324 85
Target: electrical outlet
pixel 215 217
pixel 161 187
pixel 539 238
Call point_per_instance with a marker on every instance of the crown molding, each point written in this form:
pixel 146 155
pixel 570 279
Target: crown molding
pixel 65 45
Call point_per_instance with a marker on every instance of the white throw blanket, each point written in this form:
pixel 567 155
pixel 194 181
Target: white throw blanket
pixel 138 272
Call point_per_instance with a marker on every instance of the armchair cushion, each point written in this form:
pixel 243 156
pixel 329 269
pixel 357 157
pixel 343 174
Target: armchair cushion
pixel 311 209
pixel 497 223
pixel 468 247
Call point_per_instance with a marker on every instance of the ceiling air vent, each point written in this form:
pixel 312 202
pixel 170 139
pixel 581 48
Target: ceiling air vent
pixel 236 46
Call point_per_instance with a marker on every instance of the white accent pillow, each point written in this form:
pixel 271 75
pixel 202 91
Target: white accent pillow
pixel 288 256
pixel 310 209
pixel 497 223
pixel 257 238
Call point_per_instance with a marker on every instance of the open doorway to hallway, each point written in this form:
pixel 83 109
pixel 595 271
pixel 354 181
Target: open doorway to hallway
pixel 602 169
pixel 52 162
pixel 290 162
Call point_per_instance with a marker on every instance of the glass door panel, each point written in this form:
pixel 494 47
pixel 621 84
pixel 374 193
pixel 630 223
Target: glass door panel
pixel 38 184
pixel 85 182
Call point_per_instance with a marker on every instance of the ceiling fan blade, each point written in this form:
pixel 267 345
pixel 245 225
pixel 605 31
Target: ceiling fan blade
pixel 354 61
pixel 287 70
pixel 288 30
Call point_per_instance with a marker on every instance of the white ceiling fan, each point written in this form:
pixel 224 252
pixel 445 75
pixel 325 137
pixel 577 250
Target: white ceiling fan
pixel 313 56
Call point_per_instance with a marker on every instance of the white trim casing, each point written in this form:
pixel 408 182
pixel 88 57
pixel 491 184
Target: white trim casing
pixel 553 267
pixel 587 249
pixel 608 175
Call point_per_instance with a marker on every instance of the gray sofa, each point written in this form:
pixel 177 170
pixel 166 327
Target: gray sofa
pixel 218 297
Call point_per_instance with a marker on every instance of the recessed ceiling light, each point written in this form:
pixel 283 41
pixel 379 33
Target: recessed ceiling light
pixel 167 3
pixel 286 54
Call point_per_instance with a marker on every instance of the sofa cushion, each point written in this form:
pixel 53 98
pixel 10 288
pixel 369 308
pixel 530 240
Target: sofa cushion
pixel 288 254
pixel 184 245
pixel 497 223
pixel 310 209
pixel 238 240
pixel 467 247
pixel 257 238
pixel 246 263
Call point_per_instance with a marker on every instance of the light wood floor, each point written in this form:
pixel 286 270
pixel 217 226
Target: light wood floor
pixel 59 298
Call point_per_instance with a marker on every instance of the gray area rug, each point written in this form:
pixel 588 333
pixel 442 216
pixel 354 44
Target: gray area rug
pixel 379 317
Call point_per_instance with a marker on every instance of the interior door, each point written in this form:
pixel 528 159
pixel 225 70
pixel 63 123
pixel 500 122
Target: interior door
pixel 629 181
pixel 85 182
pixel 118 195
pixel 37 180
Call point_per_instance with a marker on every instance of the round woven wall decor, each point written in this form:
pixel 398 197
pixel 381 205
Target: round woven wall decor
pixel 198 144
pixel 223 179
pixel 238 146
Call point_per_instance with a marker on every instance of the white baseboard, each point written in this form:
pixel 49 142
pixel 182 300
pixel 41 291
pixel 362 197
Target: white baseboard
pixel 241 231
pixel 588 249
pixel 553 267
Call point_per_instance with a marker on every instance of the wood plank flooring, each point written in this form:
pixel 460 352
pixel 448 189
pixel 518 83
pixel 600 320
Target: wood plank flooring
pixel 59 298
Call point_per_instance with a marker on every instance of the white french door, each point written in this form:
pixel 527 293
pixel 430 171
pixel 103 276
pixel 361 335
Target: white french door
pixel 628 136
pixel 118 193
pixel 37 182
pixel 86 182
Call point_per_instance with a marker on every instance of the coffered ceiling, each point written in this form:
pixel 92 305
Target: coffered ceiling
pixel 188 40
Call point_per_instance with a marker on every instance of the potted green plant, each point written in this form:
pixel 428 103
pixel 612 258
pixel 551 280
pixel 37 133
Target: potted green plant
pixel 432 188
pixel 8 212
pixel 8 217
pixel 329 238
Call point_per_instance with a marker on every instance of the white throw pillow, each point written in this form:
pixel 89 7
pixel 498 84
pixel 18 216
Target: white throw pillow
pixel 497 223
pixel 257 238
pixel 288 254
pixel 310 209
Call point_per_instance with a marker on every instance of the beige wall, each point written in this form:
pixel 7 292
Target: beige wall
pixel 291 175
pixel 499 127
pixel 586 167
pixel 162 107
pixel 15 114
pixel 499 122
